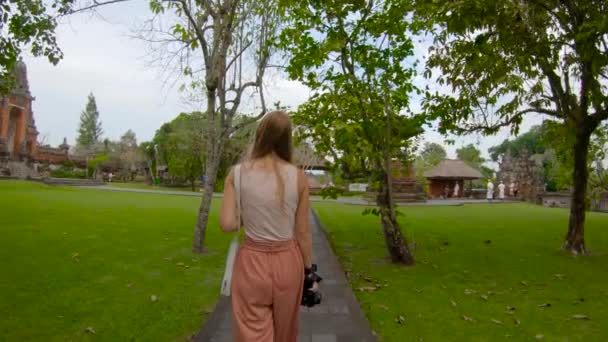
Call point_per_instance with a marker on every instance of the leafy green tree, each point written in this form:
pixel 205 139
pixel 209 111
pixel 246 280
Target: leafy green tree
pixel 505 60
pixel 148 151
pixel 470 155
pixel 532 141
pixel 181 145
pixel 27 24
pixel 353 57
pixel 128 155
pixel 432 154
pixel 89 130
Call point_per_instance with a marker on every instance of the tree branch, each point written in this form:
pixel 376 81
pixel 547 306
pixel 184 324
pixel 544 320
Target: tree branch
pixel 491 128
pixel 238 55
pixel 200 34
pixel 94 5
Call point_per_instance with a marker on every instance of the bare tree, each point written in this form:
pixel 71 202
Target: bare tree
pixel 224 47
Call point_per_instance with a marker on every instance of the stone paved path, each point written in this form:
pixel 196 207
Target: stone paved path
pixel 338 319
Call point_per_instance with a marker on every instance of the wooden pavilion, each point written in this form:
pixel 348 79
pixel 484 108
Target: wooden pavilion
pixel 449 172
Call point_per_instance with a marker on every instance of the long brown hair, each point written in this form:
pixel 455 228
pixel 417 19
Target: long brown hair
pixel 273 136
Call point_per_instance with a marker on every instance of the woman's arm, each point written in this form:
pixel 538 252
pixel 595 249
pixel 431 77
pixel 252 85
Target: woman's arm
pixel 303 235
pixel 228 210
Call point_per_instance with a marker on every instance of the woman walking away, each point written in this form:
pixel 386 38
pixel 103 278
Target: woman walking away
pixel 269 271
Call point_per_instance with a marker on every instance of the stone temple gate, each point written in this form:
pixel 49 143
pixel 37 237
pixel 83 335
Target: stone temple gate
pixel 18 134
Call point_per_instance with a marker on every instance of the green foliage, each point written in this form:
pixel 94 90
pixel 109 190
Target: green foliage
pixel 68 172
pixel 181 146
pixel 28 24
pixel 431 155
pixel 534 141
pixel 355 59
pixel 89 130
pixel 470 155
pixel 505 60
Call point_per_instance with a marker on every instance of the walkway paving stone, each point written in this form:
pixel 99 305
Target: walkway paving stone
pixel 338 319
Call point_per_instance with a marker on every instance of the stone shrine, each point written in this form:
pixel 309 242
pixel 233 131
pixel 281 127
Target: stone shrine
pixel 525 172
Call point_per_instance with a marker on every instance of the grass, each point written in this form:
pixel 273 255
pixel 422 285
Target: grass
pixel 71 259
pixel 144 186
pixel 507 253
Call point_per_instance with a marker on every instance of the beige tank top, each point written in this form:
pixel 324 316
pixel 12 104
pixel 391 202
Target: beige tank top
pixel 264 218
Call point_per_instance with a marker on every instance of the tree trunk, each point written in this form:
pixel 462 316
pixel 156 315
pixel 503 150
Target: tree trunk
pixel 575 239
pixel 396 243
pixel 214 153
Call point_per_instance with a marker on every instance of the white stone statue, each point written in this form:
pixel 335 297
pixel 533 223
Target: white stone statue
pixel 456 189
pixel 512 189
pixel 490 193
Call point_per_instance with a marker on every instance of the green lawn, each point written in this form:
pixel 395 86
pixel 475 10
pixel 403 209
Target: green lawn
pixel 144 186
pixel 509 254
pixel 72 259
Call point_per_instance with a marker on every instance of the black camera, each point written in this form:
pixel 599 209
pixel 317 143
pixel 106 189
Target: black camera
pixel 311 298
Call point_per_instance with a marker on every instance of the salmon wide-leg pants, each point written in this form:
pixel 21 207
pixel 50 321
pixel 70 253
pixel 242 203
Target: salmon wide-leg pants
pixel 266 291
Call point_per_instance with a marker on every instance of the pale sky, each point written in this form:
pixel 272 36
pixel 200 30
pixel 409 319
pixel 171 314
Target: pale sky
pixel 101 57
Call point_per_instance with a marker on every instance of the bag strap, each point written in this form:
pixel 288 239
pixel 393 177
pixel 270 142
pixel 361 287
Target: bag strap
pixel 237 192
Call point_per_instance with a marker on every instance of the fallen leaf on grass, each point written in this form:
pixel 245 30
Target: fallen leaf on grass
pixel 559 276
pixel 75 257
pixel 539 336
pixel 517 321
pixel 400 320
pixel 453 303
pixel 435 266
pixel 180 264
pixel 467 318
pixel 417 290
pixel 129 285
pixel 368 288
pixel 544 305
pixel 524 283
pixel 495 321
pixel 167 259
pixel 443 286
pixel 578 301
pixel 384 307
pixel 510 308
pixel 580 317
pixel 484 297
pixel 90 330
pixel 153 298
pixel 469 291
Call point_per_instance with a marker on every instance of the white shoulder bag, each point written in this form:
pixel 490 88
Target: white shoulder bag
pixel 234 244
